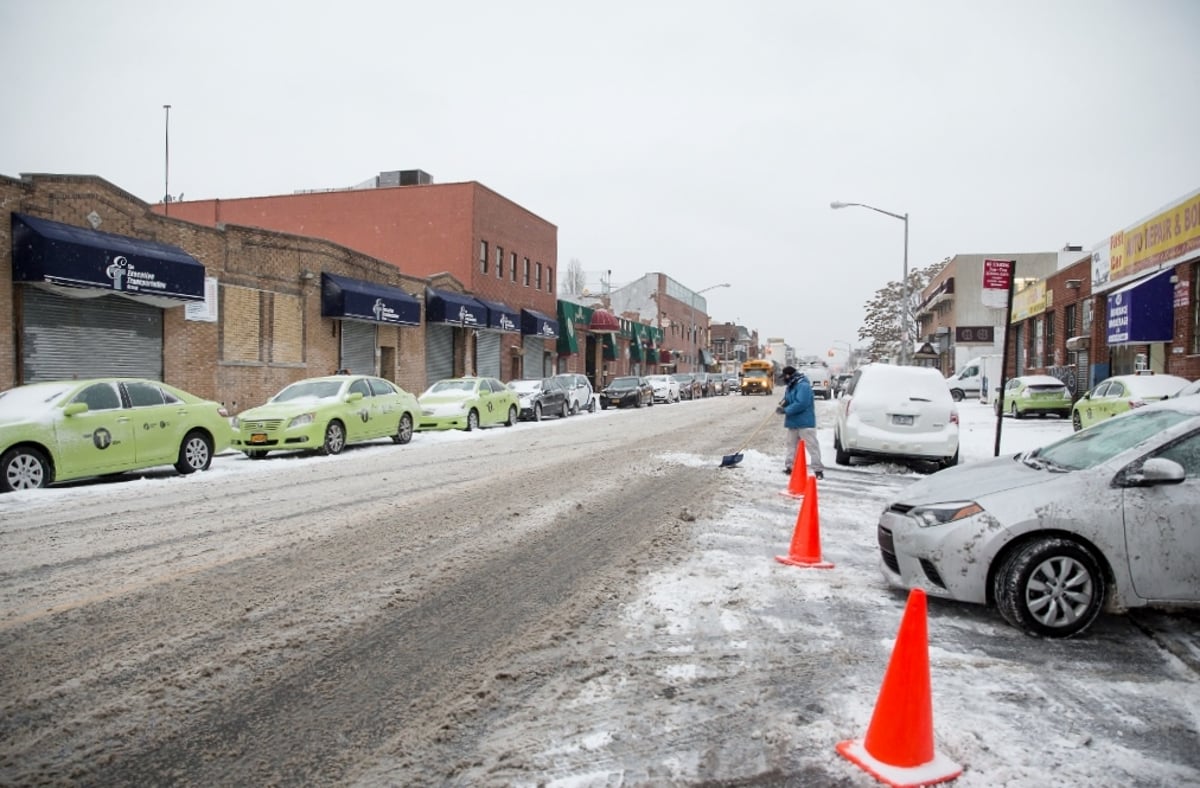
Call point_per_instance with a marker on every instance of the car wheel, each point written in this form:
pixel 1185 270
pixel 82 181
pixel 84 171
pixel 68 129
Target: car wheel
pixel 592 406
pixel 195 453
pixel 257 454
pixel 603 406
pixel 956 394
pixel 950 462
pixel 564 412
pixel 1052 587
pixel 472 420
pixel 24 468
pixel 840 455
pixel 1016 414
pixel 404 432
pixel 1076 422
pixel 335 438
pixel 537 411
pixel 512 416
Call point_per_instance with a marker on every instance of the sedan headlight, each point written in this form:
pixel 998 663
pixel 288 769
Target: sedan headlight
pixel 301 420
pixel 942 513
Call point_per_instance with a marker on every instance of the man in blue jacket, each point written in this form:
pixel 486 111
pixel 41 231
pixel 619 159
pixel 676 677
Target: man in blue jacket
pixel 800 419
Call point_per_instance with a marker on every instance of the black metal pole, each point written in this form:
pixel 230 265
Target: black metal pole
pixel 1012 279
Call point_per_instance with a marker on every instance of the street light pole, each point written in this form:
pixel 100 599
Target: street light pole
pixel 695 352
pixel 167 161
pixel 905 343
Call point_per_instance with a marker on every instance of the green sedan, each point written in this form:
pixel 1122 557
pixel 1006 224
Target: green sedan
pixel 1116 395
pixel 325 414
pixel 74 429
pixel 467 404
pixel 1034 395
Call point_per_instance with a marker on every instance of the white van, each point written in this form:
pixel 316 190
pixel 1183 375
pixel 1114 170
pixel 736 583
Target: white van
pixel 969 381
pixel 820 379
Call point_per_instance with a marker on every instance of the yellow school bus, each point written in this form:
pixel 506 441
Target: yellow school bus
pixel 758 377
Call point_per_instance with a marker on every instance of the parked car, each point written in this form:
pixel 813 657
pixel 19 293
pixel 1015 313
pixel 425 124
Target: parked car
pixel 627 391
pixel 689 386
pixel 467 404
pixel 733 384
pixel 326 414
pixel 840 381
pixel 73 429
pixel 896 413
pixel 1104 519
pixel 707 385
pixel 579 389
pixel 541 397
pixel 1189 389
pixel 1113 396
pixel 666 388
pixel 1034 394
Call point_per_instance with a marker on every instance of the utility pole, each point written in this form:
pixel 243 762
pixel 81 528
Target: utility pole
pixel 167 161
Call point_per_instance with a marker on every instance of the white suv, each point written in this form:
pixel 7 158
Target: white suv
pixel 896 413
pixel 579 392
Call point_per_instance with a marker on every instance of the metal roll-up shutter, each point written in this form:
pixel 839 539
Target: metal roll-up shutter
pixel 487 354
pixel 358 347
pixel 109 336
pixel 534 348
pixel 439 353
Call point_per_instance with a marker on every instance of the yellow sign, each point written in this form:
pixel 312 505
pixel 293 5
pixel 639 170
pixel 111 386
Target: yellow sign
pixel 1030 301
pixel 1169 236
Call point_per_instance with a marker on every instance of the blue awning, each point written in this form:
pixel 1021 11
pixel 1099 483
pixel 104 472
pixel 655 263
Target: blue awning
pixel 1142 312
pixel 454 308
pixel 500 317
pixel 69 256
pixel 536 323
pixel 353 299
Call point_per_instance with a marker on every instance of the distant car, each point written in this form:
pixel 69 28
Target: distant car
pixel 666 388
pixel 543 396
pixel 819 378
pixel 689 386
pixel 579 390
pixel 708 387
pixel 733 384
pixel 1034 394
pixel 467 404
pixel 1188 390
pixel 896 413
pixel 1113 396
pixel 627 391
pixel 1104 519
pixel 325 414
pixel 73 429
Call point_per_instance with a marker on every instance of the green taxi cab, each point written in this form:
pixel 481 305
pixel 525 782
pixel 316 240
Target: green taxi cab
pixel 1121 393
pixel 325 414
pixel 74 429
pixel 1028 395
pixel 468 403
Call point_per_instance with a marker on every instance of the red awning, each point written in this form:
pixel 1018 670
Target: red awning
pixel 664 357
pixel 604 322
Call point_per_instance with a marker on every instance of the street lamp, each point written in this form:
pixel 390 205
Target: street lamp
pixel 904 341
pixel 695 353
pixel 167 161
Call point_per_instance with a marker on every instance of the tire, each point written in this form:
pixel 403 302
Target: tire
pixel 404 431
pixel 335 438
pixel 604 406
pixel 256 454
pixel 840 455
pixel 564 411
pixel 1076 422
pixel 472 420
pixel 1016 414
pixel 537 411
pixel 574 408
pixel 1050 587
pixel 195 453
pixel 956 394
pixel 24 468
pixel 950 462
pixel 592 406
pixel 512 416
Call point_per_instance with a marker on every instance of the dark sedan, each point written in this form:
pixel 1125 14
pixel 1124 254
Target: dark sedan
pixel 542 396
pixel 689 386
pixel 627 391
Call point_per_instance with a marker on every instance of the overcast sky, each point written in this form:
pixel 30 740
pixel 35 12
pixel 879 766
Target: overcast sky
pixel 702 139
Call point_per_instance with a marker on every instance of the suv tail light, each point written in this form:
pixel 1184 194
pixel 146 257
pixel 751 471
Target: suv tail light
pixel 954 416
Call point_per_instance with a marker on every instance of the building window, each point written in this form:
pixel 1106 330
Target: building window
pixel 537 281
pixel 525 275
pixel 513 266
pixel 1070 320
pixel 549 279
pixel 483 257
pixel 500 266
pixel 499 258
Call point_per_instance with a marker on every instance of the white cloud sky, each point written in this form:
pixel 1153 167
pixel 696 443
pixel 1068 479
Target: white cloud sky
pixel 702 139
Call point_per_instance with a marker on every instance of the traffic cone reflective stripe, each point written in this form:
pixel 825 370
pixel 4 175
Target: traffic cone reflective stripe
pixel 805 550
pixel 898 748
pixel 797 482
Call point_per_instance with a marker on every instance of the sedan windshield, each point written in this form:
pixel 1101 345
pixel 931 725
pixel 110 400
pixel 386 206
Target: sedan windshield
pixel 1103 441
pixel 625 383
pixel 309 389
pixel 443 386
pixel 526 386
pixel 26 399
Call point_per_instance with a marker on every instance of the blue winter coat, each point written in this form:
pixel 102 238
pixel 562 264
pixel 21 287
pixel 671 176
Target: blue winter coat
pixel 798 404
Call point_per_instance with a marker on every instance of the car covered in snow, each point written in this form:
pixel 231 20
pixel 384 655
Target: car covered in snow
pixel 325 414
pixel 467 404
pixel 541 397
pixel 1103 519
pixel 1120 393
pixel 1034 395
pixel 666 388
pixel 73 429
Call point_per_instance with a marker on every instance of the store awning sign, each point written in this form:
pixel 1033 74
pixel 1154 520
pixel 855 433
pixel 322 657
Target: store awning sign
pixel 1141 313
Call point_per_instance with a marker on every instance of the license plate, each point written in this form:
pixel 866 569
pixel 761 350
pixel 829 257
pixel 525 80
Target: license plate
pixel 900 419
pixel 258 437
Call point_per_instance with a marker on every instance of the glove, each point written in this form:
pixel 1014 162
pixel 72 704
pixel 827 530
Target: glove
pixel 779 409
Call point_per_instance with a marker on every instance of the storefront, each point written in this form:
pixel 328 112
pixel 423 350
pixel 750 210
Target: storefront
pixel 536 330
pixel 360 307
pixel 448 318
pixel 91 303
pixel 494 340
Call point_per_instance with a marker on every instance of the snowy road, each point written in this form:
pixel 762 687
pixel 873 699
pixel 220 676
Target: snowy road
pixel 449 612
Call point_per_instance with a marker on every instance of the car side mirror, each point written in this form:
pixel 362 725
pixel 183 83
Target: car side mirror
pixel 354 396
pixel 1155 471
pixel 75 408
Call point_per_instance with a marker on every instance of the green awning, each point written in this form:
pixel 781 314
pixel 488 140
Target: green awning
pixel 569 315
pixel 610 347
pixel 635 349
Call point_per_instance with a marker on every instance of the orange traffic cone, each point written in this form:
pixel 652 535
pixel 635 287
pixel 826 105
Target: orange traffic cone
pixel 805 550
pixel 898 748
pixel 798 480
